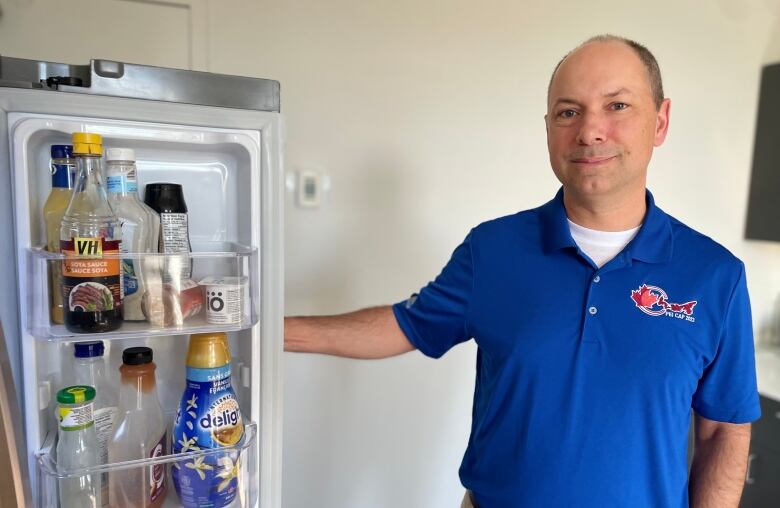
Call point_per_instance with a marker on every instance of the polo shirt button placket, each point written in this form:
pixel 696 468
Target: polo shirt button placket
pixel 590 330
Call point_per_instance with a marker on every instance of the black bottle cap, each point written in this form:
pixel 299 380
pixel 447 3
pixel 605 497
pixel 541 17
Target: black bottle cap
pixel 137 355
pixel 165 197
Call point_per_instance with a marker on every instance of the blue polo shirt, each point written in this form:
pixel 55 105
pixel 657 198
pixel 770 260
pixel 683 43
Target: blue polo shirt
pixel 586 377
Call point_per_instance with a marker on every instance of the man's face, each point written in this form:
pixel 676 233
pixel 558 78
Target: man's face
pixel 602 123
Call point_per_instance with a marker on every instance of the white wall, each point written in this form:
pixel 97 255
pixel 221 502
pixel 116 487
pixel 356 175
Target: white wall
pixel 428 118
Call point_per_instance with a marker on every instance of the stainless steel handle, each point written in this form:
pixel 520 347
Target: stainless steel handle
pixel 748 478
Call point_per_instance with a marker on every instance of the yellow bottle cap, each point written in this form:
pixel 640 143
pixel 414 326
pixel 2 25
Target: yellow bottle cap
pixel 87 143
pixel 208 350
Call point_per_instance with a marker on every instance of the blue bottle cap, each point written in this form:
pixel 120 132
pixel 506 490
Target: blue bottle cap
pixel 89 349
pixel 61 151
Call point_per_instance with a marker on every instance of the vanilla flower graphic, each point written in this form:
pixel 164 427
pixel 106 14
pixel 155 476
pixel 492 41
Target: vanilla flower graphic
pixel 227 471
pixel 192 403
pixel 188 444
pixel 199 467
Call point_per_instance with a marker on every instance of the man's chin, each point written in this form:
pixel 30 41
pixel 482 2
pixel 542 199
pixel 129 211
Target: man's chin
pixel 590 187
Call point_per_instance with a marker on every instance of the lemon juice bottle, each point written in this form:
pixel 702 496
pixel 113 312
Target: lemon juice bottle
pixel 63 169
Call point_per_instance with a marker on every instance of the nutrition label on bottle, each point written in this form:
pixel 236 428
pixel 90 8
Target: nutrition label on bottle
pixel 122 183
pixel 175 237
pixel 76 418
pixel 104 425
pixel 175 232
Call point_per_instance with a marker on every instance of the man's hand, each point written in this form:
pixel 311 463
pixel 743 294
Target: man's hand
pixel 719 463
pixel 367 333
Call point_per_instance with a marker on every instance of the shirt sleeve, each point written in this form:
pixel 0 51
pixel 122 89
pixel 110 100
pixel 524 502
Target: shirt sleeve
pixel 435 320
pixel 727 390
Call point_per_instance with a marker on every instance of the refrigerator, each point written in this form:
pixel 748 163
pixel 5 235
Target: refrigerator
pixel 220 137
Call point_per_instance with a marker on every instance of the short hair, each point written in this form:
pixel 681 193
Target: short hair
pixel 644 54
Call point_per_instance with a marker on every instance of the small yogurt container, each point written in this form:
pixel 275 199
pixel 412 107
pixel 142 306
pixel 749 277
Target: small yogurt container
pixel 226 298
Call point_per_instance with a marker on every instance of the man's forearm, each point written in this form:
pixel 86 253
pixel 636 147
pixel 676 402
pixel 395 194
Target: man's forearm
pixel 719 464
pixel 367 333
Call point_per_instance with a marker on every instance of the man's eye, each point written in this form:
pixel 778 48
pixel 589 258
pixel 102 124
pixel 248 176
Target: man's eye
pixel 619 105
pixel 567 113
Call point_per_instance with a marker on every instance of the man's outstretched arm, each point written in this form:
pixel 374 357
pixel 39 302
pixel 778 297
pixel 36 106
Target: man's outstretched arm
pixel 367 333
pixel 719 463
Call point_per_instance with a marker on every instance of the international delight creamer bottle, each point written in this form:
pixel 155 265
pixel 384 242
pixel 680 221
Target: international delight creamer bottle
pixel 208 417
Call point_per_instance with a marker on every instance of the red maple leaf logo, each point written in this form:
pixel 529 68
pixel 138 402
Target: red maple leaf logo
pixel 643 297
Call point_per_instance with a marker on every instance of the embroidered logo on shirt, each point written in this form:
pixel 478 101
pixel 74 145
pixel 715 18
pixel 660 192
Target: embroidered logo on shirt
pixel 653 301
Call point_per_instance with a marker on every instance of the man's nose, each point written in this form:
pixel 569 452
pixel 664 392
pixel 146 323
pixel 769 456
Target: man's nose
pixel 592 129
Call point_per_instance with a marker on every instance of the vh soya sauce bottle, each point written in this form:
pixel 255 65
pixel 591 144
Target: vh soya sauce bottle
pixel 91 281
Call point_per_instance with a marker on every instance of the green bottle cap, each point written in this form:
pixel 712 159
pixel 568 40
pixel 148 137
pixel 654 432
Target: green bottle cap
pixel 75 394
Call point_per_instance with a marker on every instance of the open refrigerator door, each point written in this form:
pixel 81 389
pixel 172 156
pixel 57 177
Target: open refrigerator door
pixel 227 161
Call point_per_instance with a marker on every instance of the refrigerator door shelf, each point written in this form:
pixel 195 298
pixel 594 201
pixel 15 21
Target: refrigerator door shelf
pixel 222 293
pixel 243 456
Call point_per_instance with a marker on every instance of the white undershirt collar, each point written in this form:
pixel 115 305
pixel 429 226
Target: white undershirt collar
pixel 601 246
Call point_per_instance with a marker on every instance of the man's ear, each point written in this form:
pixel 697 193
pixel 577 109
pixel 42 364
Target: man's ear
pixel 662 122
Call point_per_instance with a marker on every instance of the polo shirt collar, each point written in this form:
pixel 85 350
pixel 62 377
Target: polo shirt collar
pixel 652 244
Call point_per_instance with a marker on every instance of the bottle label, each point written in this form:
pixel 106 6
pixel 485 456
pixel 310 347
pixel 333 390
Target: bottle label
pixel 175 237
pixel 63 175
pixel 157 472
pixel 76 418
pixel 208 417
pixel 122 183
pixel 90 281
pixel 104 425
pixel 129 276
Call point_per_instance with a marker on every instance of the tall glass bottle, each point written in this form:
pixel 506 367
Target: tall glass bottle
pixel 90 238
pixel 140 228
pixel 63 168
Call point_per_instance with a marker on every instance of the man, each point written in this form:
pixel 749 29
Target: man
pixel 600 320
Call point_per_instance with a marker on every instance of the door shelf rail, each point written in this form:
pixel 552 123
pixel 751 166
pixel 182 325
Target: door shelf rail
pixel 221 294
pixel 237 466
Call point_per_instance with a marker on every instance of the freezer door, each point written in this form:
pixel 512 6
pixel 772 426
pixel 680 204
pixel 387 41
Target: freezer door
pixel 119 79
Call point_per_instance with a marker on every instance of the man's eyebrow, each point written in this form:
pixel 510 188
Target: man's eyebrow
pixel 609 95
pixel 564 100
pixel 618 92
